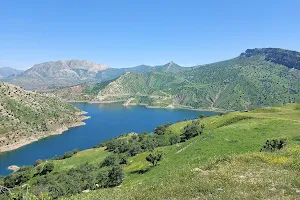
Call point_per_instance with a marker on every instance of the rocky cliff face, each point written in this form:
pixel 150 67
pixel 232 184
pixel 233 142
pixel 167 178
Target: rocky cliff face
pixel 290 59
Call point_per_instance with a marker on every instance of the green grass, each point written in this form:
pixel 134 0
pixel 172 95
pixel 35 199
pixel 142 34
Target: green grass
pixel 224 162
pixel 95 155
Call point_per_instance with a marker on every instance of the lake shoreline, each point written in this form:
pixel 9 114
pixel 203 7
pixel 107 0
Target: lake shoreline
pixel 155 107
pixel 107 121
pixel 58 131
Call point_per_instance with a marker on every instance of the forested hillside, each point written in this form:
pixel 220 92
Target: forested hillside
pixel 257 78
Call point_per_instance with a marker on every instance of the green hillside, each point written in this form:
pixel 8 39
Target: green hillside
pixel 26 116
pixel 220 157
pixel 113 73
pixel 257 78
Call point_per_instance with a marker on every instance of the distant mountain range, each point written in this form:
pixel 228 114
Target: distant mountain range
pixel 256 78
pixel 65 73
pixel 113 73
pixel 58 74
pixel 8 71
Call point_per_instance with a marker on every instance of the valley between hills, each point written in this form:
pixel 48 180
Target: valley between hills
pixel 248 151
pixel 256 78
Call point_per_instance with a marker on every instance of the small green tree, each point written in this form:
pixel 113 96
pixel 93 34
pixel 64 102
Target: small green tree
pixel 274 145
pixel 110 160
pixel 48 167
pixel 17 178
pixel 174 139
pixel 115 176
pixel 102 179
pixel 160 130
pixel 201 116
pixel 148 144
pixel 192 130
pixel 142 136
pixel 154 158
pixel 37 162
pixel 75 151
pixel 134 150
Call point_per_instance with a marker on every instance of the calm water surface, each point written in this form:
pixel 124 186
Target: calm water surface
pixel 107 121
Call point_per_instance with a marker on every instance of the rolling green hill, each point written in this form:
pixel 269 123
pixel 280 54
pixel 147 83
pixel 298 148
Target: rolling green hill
pixel 257 78
pixel 27 116
pixel 230 158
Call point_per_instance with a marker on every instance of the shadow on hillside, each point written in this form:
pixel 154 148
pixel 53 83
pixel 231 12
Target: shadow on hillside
pixel 141 171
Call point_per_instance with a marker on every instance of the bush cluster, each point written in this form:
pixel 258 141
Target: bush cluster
pixel 106 174
pixel 274 145
pixel 68 154
pixel 192 130
pixel 74 181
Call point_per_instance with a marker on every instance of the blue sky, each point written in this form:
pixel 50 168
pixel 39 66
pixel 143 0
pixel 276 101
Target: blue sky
pixel 128 33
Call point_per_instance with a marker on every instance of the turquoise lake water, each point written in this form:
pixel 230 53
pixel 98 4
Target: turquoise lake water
pixel 107 121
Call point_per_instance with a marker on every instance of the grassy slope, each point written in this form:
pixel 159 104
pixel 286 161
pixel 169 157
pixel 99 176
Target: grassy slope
pixel 224 162
pixel 237 84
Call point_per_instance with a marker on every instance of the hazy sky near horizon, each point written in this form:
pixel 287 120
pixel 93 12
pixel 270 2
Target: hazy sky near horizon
pixel 133 32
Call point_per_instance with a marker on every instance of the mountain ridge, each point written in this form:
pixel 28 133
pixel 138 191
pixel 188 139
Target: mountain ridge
pixel 257 78
pixel 64 73
pixel 58 74
pixel 8 71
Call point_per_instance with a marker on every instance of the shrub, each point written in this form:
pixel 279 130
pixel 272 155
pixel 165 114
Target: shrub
pixel 25 168
pixel 154 158
pixel 174 139
pixel 123 161
pixel 37 162
pixel 201 116
pixel 142 136
pixel 274 145
pixel 48 167
pixel 134 150
pixel 192 130
pixel 68 154
pixel 16 179
pixel 115 176
pixel 75 151
pixel 110 160
pixel 117 145
pixel 148 145
pixel 160 130
pixel 102 179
